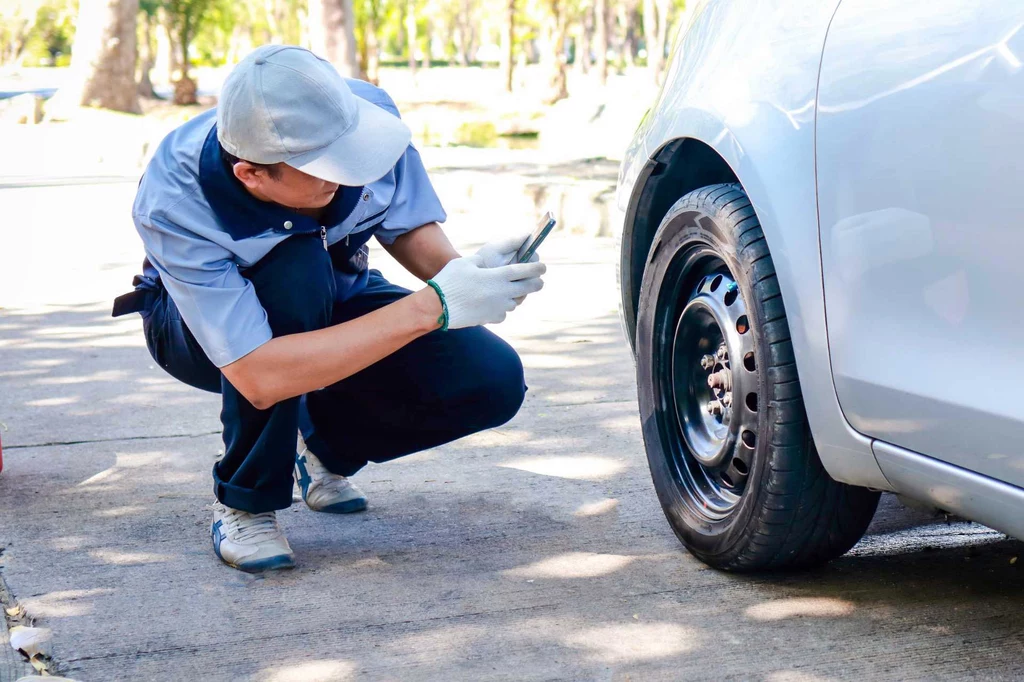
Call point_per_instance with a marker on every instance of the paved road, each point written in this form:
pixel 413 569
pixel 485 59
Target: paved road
pixel 536 551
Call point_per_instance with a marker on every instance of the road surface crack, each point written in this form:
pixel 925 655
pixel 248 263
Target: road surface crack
pixel 108 440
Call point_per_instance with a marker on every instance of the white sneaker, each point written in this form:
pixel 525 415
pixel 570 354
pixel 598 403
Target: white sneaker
pixel 249 542
pixel 323 491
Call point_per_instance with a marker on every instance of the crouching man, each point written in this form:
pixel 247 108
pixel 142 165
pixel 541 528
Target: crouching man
pixel 255 219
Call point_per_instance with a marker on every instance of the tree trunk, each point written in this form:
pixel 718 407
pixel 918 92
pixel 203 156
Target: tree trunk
pixel 461 43
pixel 584 40
pixel 464 33
pixel 557 29
pixel 147 57
pixel 337 34
pixel 372 52
pixel 185 89
pixel 508 41
pixel 664 8
pixel 627 17
pixel 18 20
pixel 601 40
pixel 428 54
pixel 103 56
pixel 650 23
pixel 167 44
pixel 410 34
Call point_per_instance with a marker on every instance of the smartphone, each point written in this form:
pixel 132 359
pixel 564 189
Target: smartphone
pixel 544 227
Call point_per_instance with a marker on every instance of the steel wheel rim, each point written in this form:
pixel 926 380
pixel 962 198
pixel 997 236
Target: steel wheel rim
pixel 703 332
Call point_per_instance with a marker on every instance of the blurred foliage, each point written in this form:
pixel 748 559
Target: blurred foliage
pixel 458 32
pixel 49 44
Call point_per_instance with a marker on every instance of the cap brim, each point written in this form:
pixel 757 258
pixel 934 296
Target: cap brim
pixel 364 154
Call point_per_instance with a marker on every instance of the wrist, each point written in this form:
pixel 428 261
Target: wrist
pixel 443 319
pixel 430 309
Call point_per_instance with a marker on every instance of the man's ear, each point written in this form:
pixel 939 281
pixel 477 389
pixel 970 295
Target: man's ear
pixel 248 174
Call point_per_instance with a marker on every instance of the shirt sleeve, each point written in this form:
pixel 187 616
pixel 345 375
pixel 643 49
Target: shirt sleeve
pixel 414 204
pixel 219 306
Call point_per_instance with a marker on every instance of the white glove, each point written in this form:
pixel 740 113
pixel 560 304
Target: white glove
pixel 501 251
pixel 473 295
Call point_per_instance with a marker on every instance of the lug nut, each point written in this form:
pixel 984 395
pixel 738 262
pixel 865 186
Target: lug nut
pixel 707 362
pixel 714 407
pixel 727 399
pixel 721 379
pixel 723 352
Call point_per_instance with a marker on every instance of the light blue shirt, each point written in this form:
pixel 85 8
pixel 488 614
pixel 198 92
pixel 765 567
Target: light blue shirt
pixel 201 229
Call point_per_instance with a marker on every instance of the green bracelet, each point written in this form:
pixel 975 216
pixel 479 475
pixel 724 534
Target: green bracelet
pixel 443 319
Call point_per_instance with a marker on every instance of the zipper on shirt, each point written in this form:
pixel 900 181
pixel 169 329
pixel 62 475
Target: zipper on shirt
pixel 323 236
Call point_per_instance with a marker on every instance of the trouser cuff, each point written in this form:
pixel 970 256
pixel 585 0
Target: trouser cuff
pixel 252 501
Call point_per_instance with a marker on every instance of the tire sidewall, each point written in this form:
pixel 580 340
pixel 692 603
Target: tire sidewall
pixel 689 224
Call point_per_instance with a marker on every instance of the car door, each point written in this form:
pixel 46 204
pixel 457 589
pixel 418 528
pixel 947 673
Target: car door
pixel 920 164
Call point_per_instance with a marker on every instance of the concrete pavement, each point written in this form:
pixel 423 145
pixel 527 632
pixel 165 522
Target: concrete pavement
pixel 536 551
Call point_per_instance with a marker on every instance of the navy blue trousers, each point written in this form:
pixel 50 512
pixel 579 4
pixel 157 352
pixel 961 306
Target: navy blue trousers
pixel 439 388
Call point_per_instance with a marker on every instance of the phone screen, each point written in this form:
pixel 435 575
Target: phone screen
pixel 544 227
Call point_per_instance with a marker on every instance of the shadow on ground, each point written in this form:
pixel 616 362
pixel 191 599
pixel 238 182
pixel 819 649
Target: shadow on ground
pixel 533 551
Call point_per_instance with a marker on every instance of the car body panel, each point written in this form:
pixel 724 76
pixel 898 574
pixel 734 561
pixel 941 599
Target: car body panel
pixel 953 489
pixel 919 152
pixel 744 82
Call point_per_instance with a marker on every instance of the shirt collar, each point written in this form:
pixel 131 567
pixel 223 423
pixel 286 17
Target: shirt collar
pixel 242 215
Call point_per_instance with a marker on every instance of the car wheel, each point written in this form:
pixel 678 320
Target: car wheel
pixel 727 439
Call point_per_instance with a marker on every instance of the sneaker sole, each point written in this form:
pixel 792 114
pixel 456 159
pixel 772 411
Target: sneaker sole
pixel 274 563
pixel 346 507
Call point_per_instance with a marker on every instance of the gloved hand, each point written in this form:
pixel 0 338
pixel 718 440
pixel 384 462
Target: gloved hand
pixel 501 251
pixel 473 295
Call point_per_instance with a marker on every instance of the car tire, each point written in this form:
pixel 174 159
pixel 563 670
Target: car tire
pixel 739 480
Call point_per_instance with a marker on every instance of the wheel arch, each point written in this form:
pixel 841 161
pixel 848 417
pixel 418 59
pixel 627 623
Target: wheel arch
pixel 677 168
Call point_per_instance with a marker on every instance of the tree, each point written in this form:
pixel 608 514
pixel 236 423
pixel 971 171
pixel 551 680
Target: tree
pixel 103 56
pixel 369 17
pixel 147 45
pixel 555 29
pixel 334 38
pixel 508 44
pixel 167 46
pixel 17 23
pixel 661 40
pixel 656 17
pixel 601 16
pixel 49 40
pixel 464 34
pixel 410 33
pixel 584 39
pixel 627 20
pixel 184 18
pixel 339 27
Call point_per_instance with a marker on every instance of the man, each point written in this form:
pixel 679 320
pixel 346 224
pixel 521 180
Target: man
pixel 255 220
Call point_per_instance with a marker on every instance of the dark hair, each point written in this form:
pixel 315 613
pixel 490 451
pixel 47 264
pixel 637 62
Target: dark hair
pixel 230 160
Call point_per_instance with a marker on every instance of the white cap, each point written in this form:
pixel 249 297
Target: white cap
pixel 284 104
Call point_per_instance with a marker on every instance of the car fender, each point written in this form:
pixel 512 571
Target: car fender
pixel 758 116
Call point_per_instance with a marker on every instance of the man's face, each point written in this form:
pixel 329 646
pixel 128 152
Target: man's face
pixel 290 187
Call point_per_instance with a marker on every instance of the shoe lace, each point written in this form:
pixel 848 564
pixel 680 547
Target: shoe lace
pixel 243 526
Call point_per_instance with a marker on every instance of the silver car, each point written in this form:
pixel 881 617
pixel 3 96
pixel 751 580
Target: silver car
pixel 822 271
